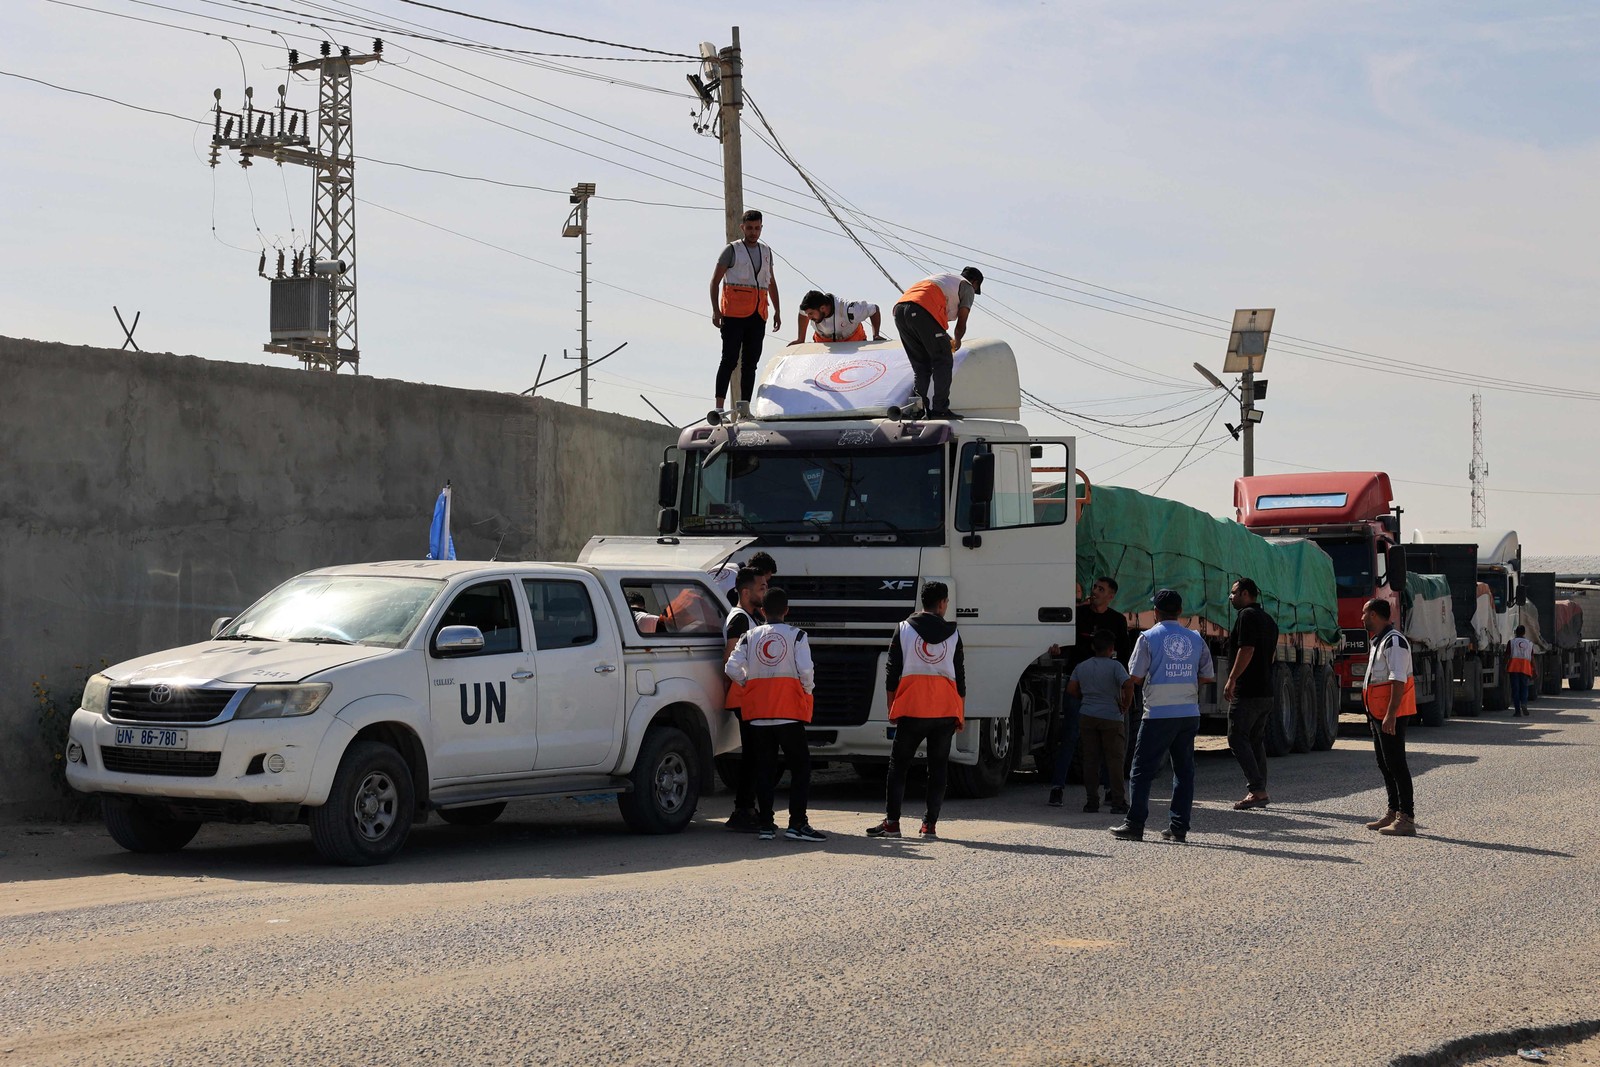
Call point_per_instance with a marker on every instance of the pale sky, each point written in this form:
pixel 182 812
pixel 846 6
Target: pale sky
pixel 1415 182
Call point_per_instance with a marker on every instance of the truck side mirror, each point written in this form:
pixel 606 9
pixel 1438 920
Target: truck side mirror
pixel 1397 567
pixel 667 521
pixel 667 484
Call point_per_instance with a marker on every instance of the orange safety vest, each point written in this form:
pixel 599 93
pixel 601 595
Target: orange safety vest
pixel 773 657
pixel 744 285
pixel 927 688
pixel 859 335
pixel 1521 656
pixel 939 295
pixel 1375 695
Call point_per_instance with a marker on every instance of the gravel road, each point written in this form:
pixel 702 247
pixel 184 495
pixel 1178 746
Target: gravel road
pixel 1028 935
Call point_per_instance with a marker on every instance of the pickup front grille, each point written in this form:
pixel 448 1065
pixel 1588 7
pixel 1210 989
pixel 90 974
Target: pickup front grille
pixel 159 761
pixel 167 703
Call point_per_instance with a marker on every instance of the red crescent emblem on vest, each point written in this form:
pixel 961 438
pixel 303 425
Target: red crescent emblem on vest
pixel 928 653
pixel 848 377
pixel 771 649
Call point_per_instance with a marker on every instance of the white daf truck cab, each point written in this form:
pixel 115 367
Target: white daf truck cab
pixel 359 698
pixel 861 502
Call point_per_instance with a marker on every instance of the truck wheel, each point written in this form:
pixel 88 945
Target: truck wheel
pixel 1497 697
pixel 138 828
pixel 1471 702
pixel 1305 702
pixel 476 815
pixel 370 809
pixel 996 753
pixel 1552 674
pixel 666 784
pixel 1447 690
pixel 1283 724
pixel 1326 684
pixel 1584 680
pixel 1432 713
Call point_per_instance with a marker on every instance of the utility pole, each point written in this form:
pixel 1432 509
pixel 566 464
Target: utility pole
pixel 314 314
pixel 577 225
pixel 1247 354
pixel 729 65
pixel 1478 472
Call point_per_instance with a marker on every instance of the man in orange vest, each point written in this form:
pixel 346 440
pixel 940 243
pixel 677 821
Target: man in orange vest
pixel 773 664
pixel 923 317
pixel 927 683
pixel 740 288
pixel 1519 656
pixel 832 321
pixel 1389 693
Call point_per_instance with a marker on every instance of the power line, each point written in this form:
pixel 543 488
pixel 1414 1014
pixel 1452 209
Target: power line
pixel 550 33
pixel 107 99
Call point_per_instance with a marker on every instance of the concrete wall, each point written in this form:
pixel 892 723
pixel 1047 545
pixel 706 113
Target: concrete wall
pixel 142 495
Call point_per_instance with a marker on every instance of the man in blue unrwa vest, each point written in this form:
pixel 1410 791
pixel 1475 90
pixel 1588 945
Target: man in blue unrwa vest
pixel 1171 662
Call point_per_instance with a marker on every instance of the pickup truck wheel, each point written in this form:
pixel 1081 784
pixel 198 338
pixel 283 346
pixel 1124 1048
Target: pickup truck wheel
pixel 370 809
pixel 141 829
pixel 476 815
pixel 1326 684
pixel 666 784
pixel 996 754
pixel 1283 723
pixel 1471 702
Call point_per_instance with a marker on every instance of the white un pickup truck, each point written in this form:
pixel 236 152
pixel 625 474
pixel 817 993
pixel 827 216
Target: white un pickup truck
pixel 358 699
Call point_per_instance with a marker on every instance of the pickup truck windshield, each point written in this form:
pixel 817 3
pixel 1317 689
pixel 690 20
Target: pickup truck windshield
pixel 338 610
pixel 846 491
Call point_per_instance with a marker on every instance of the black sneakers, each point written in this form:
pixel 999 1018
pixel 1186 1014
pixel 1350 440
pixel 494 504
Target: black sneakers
pixel 1126 831
pixel 769 831
pixel 803 832
pixel 1091 807
pixel 886 828
pixel 742 821
pixel 1055 798
pixel 1174 833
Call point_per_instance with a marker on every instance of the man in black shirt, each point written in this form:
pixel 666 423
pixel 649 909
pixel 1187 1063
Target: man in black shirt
pixel 1251 646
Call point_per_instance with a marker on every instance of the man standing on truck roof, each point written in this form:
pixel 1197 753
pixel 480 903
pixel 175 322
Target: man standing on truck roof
pixel 927 681
pixel 1172 663
pixel 751 587
pixel 923 317
pixel 1519 665
pixel 1094 615
pixel 832 321
pixel 1389 693
pixel 773 663
pixel 740 288
pixel 1252 645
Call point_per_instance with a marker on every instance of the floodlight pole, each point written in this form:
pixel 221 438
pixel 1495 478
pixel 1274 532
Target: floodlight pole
pixel 1247 429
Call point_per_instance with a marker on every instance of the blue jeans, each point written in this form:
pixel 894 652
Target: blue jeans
pixel 1158 737
pixel 1067 746
pixel 1520 684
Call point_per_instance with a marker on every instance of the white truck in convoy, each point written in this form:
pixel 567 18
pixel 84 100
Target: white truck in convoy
pixel 359 698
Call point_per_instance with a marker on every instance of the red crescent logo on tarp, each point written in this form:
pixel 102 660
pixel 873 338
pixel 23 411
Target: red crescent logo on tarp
pixel 928 653
pixel 848 377
pixel 771 649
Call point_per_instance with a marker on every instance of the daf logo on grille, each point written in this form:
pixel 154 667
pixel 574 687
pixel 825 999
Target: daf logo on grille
pixel 160 694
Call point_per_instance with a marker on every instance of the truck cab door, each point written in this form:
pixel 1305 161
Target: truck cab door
pixel 1013 568
pixel 578 657
pixel 483 704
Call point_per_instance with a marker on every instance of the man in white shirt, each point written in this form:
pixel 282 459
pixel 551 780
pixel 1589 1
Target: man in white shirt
pixel 831 320
pixel 1389 693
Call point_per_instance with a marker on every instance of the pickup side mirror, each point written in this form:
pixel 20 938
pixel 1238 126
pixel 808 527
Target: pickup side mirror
pixel 458 641
pixel 1397 567
pixel 667 522
pixel 220 625
pixel 667 485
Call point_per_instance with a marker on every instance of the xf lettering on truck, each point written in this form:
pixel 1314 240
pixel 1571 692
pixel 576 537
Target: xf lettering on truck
pixel 896 584
pixel 488 702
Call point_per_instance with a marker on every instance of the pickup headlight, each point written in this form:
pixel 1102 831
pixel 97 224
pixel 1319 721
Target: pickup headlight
pixel 283 701
pixel 96 695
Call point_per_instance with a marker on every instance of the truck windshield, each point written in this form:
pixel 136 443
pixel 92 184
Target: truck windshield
pixel 898 491
pixel 336 609
pixel 1498 584
pixel 1352 565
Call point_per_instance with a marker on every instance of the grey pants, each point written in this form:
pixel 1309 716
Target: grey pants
pixel 927 348
pixel 1247 737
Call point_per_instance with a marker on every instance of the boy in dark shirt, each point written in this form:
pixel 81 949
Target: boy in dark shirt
pixel 1251 646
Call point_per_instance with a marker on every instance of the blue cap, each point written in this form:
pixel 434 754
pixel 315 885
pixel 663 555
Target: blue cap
pixel 1167 600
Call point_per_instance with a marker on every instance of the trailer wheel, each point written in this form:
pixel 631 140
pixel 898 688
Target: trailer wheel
pixel 1432 713
pixel 997 752
pixel 1551 674
pixel 1283 724
pixel 1497 697
pixel 1471 703
pixel 1305 702
pixel 1584 679
pixel 138 828
pixel 1326 684
pixel 1447 690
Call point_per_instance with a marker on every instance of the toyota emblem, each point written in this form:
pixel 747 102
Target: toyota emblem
pixel 160 694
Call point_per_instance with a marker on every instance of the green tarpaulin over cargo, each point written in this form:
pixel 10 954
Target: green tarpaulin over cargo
pixel 1147 543
pixel 1427 586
